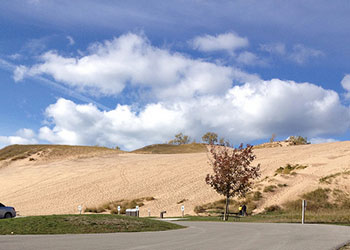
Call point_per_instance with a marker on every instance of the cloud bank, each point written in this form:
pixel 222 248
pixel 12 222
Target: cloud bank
pixel 247 112
pixel 23 136
pixel 131 60
pixel 186 95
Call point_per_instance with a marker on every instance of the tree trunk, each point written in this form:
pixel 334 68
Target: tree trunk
pixel 226 208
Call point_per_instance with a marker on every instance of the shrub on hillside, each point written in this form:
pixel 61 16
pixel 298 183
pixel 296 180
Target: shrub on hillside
pixel 297 140
pixel 273 208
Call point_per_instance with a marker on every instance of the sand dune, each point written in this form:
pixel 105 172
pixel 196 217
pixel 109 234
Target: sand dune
pixel 57 186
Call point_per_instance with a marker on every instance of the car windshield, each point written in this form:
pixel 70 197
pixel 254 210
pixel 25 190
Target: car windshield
pixel 2 205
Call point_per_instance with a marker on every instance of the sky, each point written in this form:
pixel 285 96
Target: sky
pixel 134 73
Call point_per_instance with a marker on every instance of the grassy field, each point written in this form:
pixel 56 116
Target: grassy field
pixel 322 217
pixel 81 224
pixel 172 149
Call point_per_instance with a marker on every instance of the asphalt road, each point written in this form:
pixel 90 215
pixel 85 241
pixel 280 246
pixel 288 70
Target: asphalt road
pixel 198 235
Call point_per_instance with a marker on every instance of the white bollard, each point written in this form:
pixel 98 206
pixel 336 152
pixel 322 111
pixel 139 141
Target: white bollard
pixel 303 208
pixel 80 208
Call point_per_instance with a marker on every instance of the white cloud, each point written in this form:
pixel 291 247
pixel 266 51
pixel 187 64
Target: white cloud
pixel 248 58
pixel 70 40
pixel 15 56
pixel 302 54
pixel 318 140
pixel 248 112
pixel 345 83
pixel 274 48
pixel 122 126
pixel 188 95
pixel 299 54
pixel 227 41
pixel 131 60
pixel 26 133
pixel 19 73
pixel 23 136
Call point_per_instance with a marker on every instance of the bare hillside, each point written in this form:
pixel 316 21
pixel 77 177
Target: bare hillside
pixel 60 184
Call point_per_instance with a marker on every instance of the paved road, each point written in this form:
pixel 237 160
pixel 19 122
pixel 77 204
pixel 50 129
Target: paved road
pixel 198 235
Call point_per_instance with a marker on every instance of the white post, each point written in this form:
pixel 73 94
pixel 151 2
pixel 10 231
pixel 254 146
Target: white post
pixel 183 211
pixel 118 210
pixel 303 205
pixel 80 208
pixel 137 211
pixel 149 212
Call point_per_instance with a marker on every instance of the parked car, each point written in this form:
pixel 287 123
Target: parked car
pixel 7 212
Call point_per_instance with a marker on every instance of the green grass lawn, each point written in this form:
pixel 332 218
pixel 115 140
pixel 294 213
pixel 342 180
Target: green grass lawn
pixel 81 224
pixel 321 217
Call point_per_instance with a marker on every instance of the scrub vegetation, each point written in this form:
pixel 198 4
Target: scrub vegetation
pixel 112 207
pixel 289 169
pixel 323 206
pixel 329 178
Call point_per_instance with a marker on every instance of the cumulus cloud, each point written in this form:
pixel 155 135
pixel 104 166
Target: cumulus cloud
pixel 23 136
pixel 122 126
pixel 248 112
pixel 227 41
pixel 132 60
pixel 188 95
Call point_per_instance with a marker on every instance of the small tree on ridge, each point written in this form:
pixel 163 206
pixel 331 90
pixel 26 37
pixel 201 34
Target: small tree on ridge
pixel 233 173
pixel 180 139
pixel 210 138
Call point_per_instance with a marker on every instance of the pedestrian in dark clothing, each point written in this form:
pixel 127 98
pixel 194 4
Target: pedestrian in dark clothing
pixel 244 210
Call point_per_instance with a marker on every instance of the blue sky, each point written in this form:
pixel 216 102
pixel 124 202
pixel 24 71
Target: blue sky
pixel 132 73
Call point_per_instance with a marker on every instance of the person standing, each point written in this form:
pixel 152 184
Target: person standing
pixel 244 210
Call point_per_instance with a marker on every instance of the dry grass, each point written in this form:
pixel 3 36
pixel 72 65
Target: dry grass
pixel 172 149
pixel 289 169
pixel 18 152
pixel 329 178
pixel 270 188
pixel 112 207
pixel 217 207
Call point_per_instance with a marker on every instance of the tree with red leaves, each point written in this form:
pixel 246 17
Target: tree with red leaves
pixel 233 173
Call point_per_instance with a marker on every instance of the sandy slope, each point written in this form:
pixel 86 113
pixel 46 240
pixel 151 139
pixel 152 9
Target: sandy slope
pixel 59 186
